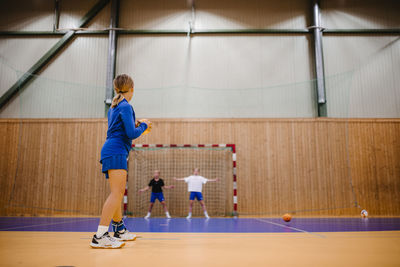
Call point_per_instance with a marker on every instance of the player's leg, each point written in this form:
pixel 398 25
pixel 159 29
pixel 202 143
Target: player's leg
pixel 117 217
pixel 119 185
pixel 152 200
pixel 165 208
pixel 202 204
pixel 162 201
pixel 119 228
pixel 164 205
pixel 190 209
pixel 191 199
pixel 150 209
pixel 151 206
pixel 117 180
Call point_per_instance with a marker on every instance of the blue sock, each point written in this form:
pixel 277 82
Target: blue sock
pixel 118 226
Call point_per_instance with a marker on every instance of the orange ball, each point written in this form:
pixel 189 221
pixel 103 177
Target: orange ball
pixel 287 217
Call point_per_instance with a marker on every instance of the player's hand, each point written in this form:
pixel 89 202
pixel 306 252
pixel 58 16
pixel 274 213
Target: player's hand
pixel 149 125
pixel 172 186
pixel 217 179
pixel 146 121
pixel 175 178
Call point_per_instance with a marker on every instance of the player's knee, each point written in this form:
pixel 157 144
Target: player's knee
pixel 118 193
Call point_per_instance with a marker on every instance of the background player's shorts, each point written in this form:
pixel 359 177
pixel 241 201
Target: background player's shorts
pixel 197 195
pixel 159 196
pixel 116 162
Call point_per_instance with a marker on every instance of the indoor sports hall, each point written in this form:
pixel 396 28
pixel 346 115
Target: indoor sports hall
pixel 200 133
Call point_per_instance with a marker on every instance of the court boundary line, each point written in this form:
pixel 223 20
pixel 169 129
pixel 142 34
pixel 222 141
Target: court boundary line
pixel 44 224
pixel 290 227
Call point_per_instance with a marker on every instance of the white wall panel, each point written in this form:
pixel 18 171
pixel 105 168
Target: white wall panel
pixel 27 15
pixel 219 76
pixel 207 75
pixel 72 11
pixel 82 61
pixel 374 65
pixel 210 14
pixel 38 15
pixel 18 54
pixel 290 14
pixel 72 84
pixel 156 14
pixel 360 14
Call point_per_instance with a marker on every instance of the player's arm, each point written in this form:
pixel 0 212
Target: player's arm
pixel 179 179
pixel 168 186
pixel 128 120
pixel 144 189
pixel 213 180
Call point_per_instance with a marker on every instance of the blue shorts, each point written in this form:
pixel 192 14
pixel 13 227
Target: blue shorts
pixel 197 195
pixel 117 162
pixel 159 196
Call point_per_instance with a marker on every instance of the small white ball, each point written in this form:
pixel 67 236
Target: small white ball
pixel 364 213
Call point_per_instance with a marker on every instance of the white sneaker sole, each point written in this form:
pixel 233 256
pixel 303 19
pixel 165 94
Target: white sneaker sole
pixel 106 247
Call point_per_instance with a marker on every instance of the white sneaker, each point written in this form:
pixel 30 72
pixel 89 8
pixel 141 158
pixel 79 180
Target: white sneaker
pixel 125 236
pixel 106 241
pixel 189 216
pixel 168 216
pixel 147 216
pixel 206 215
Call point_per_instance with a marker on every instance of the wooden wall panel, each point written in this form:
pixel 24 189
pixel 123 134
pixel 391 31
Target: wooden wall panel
pixel 305 166
pixel 58 171
pixel 9 135
pixel 375 161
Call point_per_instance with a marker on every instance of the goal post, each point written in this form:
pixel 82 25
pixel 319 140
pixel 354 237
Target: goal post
pixel 178 160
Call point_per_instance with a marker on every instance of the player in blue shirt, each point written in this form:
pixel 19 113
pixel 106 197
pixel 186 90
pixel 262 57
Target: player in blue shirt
pixel 121 131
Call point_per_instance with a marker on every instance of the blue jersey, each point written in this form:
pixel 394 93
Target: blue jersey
pixel 121 130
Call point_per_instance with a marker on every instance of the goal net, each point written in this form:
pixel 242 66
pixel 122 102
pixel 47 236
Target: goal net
pixel 214 161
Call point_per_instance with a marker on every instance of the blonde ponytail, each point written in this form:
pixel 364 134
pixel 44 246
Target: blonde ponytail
pixel 122 84
pixel 117 98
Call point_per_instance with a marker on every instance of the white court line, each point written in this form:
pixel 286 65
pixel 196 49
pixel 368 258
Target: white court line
pixel 158 239
pixel 45 224
pixel 293 228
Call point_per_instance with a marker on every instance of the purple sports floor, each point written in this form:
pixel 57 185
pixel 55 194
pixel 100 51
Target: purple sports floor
pixel 201 225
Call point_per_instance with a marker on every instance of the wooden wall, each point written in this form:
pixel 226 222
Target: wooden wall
pixel 302 165
pixel 56 170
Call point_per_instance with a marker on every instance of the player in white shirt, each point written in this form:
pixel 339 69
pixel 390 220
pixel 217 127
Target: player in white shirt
pixel 195 185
